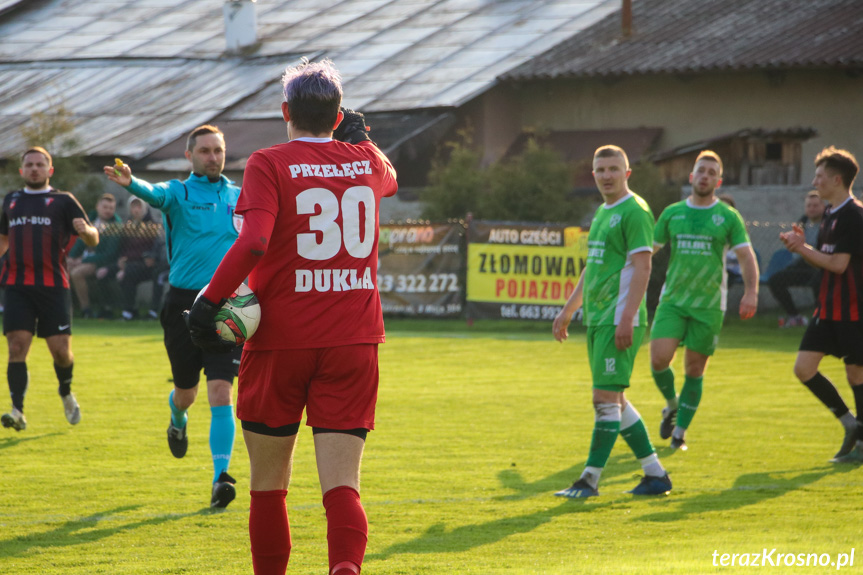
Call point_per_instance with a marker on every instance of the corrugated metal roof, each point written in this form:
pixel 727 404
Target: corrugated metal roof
pixel 399 44
pixel 7 5
pixel 394 55
pixel 101 59
pixel 125 108
pixel 683 36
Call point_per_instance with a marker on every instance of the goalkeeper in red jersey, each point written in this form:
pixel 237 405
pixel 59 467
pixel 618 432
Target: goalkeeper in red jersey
pixel 309 245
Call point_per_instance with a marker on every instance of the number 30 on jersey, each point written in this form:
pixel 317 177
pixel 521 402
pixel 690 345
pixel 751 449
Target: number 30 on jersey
pixel 357 201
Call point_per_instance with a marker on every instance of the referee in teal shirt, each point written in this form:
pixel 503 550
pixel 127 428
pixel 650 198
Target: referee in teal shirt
pixel 200 226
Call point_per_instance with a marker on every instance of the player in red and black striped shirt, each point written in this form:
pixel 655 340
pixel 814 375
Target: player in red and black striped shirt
pixel 836 328
pixel 36 228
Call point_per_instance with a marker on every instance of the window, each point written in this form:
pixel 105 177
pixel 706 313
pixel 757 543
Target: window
pixel 773 151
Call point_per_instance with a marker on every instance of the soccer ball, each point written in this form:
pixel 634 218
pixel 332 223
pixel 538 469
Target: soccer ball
pixel 239 317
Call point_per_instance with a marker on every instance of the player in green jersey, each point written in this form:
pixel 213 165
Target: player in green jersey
pixel 691 307
pixel 612 288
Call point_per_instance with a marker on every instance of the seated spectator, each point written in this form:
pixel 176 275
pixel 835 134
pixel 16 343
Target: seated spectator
pixel 161 270
pixel 137 261
pixel 798 272
pixel 97 263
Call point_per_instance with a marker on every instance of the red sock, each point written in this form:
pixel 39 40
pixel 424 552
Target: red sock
pixel 347 526
pixel 269 532
pixel 346 568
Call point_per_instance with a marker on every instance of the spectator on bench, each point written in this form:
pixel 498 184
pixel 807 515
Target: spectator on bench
pixel 138 256
pixel 798 272
pixel 99 262
pixel 161 271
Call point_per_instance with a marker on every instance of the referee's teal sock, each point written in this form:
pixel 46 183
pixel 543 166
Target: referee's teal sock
pixel 222 431
pixel 178 416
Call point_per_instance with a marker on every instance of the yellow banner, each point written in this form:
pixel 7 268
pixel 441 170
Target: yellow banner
pixel 528 274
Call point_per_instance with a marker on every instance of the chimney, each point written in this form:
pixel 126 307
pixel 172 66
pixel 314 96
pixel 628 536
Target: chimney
pixel 240 24
pixel 626 18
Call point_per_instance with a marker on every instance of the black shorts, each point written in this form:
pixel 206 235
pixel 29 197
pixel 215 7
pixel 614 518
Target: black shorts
pixel 186 358
pixel 45 311
pixel 843 339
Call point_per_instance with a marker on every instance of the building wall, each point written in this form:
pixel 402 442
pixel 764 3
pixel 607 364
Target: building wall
pixel 689 108
pixel 496 120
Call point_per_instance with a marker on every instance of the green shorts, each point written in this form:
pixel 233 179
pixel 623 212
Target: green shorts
pixel 610 366
pixel 698 330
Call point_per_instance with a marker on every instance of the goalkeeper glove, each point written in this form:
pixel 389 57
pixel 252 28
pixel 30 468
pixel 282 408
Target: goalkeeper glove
pixel 352 128
pixel 201 321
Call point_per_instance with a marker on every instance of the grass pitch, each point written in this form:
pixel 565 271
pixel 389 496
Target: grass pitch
pixel 476 428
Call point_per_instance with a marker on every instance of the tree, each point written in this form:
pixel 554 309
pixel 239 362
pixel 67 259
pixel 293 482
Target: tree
pixel 646 181
pixel 55 131
pixel 455 180
pixel 533 186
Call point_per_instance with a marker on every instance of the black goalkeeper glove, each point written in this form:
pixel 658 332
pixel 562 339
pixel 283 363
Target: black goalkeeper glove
pixel 201 321
pixel 352 129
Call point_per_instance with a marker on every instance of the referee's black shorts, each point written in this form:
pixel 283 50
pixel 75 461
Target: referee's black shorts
pixel 186 358
pixel 843 339
pixel 45 311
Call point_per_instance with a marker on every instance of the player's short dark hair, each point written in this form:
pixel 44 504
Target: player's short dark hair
pixel 313 91
pixel 839 161
pixel 108 198
pixel 610 151
pixel 200 131
pixel 38 150
pixel 712 156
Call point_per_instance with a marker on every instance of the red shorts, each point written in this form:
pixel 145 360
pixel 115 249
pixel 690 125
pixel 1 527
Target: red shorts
pixel 338 386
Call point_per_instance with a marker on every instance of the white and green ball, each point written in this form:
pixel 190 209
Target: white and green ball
pixel 239 316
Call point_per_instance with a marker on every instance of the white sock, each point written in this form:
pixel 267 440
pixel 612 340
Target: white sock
pixel 672 403
pixel 629 416
pixel 591 475
pixel 678 432
pixel 652 466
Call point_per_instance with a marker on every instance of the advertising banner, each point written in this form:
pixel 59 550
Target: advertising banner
pixel 522 270
pixel 420 272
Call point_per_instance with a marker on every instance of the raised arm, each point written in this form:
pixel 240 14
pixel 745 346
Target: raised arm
pixel 154 195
